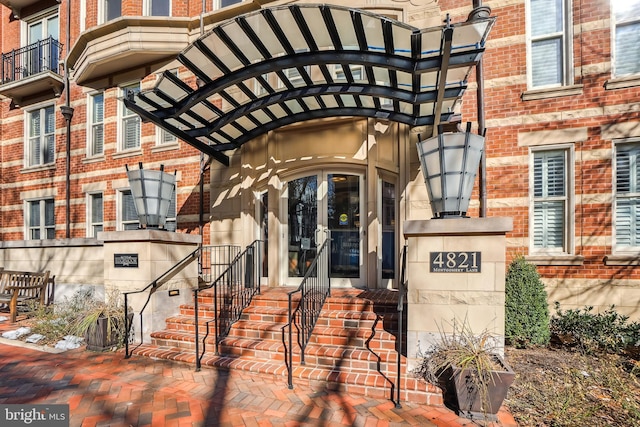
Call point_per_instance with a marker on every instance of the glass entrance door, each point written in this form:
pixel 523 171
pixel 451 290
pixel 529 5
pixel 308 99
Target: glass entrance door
pixel 321 205
pixel 303 227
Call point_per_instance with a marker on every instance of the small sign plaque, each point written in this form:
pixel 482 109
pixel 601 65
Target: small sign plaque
pixel 125 260
pixel 454 262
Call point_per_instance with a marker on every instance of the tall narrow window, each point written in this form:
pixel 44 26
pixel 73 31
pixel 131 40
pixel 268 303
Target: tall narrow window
pixel 42 52
pixel 626 17
pixel 95 214
pixel 550 58
pixel 550 220
pixel 627 221
pixel 96 125
pixel 388 230
pixel 219 4
pixel 111 9
pixel 172 224
pixel 162 136
pixel 130 122
pixel 41 127
pixel 40 219
pixel 128 214
pixel 158 7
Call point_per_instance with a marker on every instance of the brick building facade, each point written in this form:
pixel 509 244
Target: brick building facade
pixel 561 94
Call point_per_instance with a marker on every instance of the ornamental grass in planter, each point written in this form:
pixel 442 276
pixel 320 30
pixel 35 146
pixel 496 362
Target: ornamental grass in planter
pixel 102 323
pixel 471 372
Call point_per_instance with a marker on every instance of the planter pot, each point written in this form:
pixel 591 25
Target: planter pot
pixel 97 338
pixel 462 394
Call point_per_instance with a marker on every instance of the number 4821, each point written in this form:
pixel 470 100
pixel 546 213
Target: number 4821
pixel 455 261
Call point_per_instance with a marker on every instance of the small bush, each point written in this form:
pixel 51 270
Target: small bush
pixel 591 332
pixel 58 320
pixel 526 307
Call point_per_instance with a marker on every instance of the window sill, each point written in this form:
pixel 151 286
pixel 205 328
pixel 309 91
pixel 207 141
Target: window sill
pixel 622 82
pixel 94 159
pixel 555 259
pixel 622 260
pixel 38 168
pixel 165 147
pixel 553 92
pixel 128 153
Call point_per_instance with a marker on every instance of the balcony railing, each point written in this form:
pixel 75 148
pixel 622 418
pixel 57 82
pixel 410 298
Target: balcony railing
pixel 35 58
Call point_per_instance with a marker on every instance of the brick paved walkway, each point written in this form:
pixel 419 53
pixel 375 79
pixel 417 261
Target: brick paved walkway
pixel 103 389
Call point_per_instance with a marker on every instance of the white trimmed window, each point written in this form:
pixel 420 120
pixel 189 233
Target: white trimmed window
pixel 95 214
pixel 551 224
pixel 162 136
pixel 157 7
pixel 626 37
pixel 109 10
pixel 129 123
pixel 45 55
pixel 40 219
pixel 219 4
pixel 166 138
pixel 172 224
pixel 95 140
pixel 83 16
pixel 259 89
pixel 128 216
pixel 357 72
pixel 128 219
pixel 627 197
pixel 294 77
pixel 549 46
pixel 41 131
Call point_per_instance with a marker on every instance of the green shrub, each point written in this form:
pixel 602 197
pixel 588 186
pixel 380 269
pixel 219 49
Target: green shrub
pixel 590 332
pixel 526 307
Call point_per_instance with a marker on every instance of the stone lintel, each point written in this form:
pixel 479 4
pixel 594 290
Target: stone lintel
pixel 149 236
pixel 458 227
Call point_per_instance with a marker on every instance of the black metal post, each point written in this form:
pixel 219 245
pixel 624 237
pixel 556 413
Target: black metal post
pixel 67 113
pixel 195 308
pixel 127 328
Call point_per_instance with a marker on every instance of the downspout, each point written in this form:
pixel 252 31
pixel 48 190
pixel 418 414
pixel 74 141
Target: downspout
pixel 482 172
pixel 67 113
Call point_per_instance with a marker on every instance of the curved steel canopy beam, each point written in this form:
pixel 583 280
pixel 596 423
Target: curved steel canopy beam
pixel 287 64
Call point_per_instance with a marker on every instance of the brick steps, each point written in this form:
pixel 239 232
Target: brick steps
pixel 365 382
pixel 353 346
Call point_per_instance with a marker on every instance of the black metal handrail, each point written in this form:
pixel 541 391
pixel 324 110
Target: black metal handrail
pixel 43 55
pixel 402 292
pixel 314 290
pixel 210 260
pixel 214 260
pixel 233 291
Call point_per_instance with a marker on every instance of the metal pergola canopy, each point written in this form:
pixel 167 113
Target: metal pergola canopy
pixel 276 66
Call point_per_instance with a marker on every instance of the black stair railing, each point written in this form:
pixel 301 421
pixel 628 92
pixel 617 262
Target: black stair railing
pixel 43 55
pixel 402 292
pixel 233 291
pixel 210 259
pixel 314 289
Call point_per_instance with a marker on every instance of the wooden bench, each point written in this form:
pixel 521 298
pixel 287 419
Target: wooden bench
pixel 19 287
